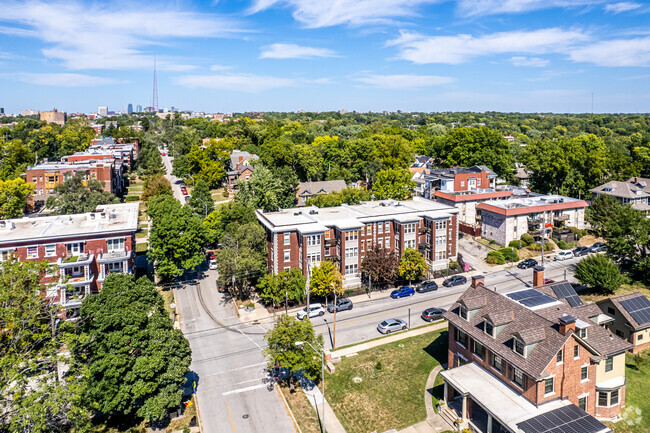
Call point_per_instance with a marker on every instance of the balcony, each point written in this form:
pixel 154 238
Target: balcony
pixel 72 298
pixel 536 220
pixel 330 242
pixel 71 260
pixel 114 256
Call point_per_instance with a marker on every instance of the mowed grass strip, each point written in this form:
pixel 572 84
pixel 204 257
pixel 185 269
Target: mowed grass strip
pixel 636 413
pixel 391 391
pixel 302 410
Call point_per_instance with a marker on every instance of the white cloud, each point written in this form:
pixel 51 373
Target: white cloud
pixel 621 7
pixel 618 52
pixel 534 62
pixel 66 80
pixel 85 35
pixel 403 81
pixel 494 7
pixel 219 67
pixel 319 13
pixel 248 83
pixel 462 48
pixel 293 51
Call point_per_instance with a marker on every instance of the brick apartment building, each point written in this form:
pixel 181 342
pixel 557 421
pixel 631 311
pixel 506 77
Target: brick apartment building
pixel 54 116
pixel 125 150
pixel 85 247
pixel 531 356
pixel 303 237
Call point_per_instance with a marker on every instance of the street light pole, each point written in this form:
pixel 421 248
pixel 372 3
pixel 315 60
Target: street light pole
pixel 335 308
pixel 204 203
pixel 193 182
pixel 322 356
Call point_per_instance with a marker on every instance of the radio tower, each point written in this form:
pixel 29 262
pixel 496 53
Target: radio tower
pixel 154 100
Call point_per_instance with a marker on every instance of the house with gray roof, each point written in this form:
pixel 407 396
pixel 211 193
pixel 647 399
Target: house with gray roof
pixel 635 191
pixel 631 313
pixel 310 189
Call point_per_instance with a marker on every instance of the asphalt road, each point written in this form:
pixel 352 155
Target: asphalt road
pixel 175 181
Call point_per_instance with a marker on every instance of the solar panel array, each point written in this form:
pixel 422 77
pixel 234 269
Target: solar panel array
pixel 566 291
pixel 639 309
pixel 530 298
pixel 563 420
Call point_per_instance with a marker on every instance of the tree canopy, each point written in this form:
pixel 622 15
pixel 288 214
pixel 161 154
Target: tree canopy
pixel 326 279
pixel 242 256
pixel 393 184
pixel 72 196
pixel 201 199
pixel 289 285
pixel 14 195
pixel 381 265
pixel 412 265
pixel 599 272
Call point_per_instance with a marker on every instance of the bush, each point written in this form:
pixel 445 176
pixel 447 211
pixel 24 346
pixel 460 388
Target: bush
pixel 527 239
pixel 515 244
pixel 578 232
pixel 492 242
pixel 538 247
pixel 455 265
pixel 495 258
pixel 130 198
pixel 561 244
pixel 509 254
pixel 600 272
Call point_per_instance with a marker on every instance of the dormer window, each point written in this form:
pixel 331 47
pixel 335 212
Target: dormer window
pixel 582 332
pixel 520 347
pixel 462 312
pixel 489 328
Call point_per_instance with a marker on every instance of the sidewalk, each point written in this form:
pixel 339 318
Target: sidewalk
pixel 315 397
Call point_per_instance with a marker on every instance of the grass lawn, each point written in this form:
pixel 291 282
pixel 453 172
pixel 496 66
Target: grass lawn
pixel 141 233
pixel 590 296
pixel 142 247
pixel 636 397
pixel 391 392
pixel 302 410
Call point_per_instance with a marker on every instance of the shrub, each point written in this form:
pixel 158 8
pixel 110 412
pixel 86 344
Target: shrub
pixel 600 272
pixel 578 232
pixel 455 265
pixel 130 198
pixel 509 254
pixel 495 258
pixel 561 244
pixel 515 244
pixel 538 247
pixel 527 239
pixel 492 242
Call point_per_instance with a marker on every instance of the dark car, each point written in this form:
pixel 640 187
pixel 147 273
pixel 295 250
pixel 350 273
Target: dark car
pixel 431 314
pixel 580 251
pixel 528 263
pixel 342 304
pixel 598 247
pixel 456 280
pixel 402 292
pixel 429 286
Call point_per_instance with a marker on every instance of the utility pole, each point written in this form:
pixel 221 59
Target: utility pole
pixel 308 265
pixel 286 302
pixel 335 308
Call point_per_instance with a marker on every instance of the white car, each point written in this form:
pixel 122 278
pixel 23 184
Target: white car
pixel 213 264
pixel 314 310
pixel 563 255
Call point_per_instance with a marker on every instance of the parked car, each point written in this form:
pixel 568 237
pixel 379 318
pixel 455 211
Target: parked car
pixel 314 310
pixel 431 314
pixel 184 191
pixel 163 154
pixel 528 263
pixel 209 255
pixel 342 304
pixel 598 247
pixel 580 251
pixel 456 280
pixel 391 325
pixel 563 255
pixel 213 264
pixel 429 286
pixel 402 292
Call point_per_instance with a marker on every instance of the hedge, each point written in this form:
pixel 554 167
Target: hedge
pixel 561 244
pixel 509 254
pixel 527 239
pixel 495 258
pixel 538 247
pixel 129 198
pixel 515 244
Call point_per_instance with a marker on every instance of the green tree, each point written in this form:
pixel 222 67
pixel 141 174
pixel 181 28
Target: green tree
pixel 326 279
pixel 201 199
pixel 177 237
pixel 14 195
pixel 75 136
pixel 393 184
pixel 136 361
pixel 599 272
pixel 15 156
pixel 412 265
pixel 381 265
pixel 156 185
pixel 288 285
pixel 72 196
pixel 266 191
pixel 282 351
pixel 603 210
pixel 346 196
pixel 227 217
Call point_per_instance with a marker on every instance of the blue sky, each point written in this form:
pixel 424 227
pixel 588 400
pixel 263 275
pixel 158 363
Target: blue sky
pixel 317 55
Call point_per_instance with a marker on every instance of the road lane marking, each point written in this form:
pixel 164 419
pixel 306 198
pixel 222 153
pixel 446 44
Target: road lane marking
pixel 248 388
pixel 247 336
pixel 237 369
pixel 232 421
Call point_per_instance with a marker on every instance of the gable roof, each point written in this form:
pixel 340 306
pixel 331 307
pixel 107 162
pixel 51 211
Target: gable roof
pixel 616 300
pixel 631 188
pixel 323 187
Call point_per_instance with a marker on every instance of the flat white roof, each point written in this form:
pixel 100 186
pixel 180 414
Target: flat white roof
pixel 534 200
pixel 114 218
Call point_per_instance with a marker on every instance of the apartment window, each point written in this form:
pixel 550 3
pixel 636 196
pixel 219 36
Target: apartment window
pixel 497 363
pixel 576 351
pixel 613 398
pixel 351 236
pixel 440 240
pixel 489 328
pixel 287 238
pixel 6 255
pixel 441 255
pixel 462 183
pixel 74 249
pixel 582 403
pixel 584 373
pixel 602 399
pixel 462 312
pixel 409 243
pixel 520 347
pixel 518 377
pixel 548 386
pixel 50 250
pixel 351 269
pixel 471 182
pixel 441 225
pixel 408 228
pixel 40 191
pixel 640 337
pixel 115 244
pixel 479 350
pixel 313 258
pixel 351 252
pixel 559 358
pixel 387 225
pixel 582 332
pixel 380 227
pixel 114 267
pixel 313 240
pixel 34 179
pixel 461 337
pixel 32 252
pixel 287 255
pixel 327 234
pixel 609 364
pixel 50 179
pixel 40 178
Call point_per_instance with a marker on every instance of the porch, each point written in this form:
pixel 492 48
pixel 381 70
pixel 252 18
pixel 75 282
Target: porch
pixel 113 262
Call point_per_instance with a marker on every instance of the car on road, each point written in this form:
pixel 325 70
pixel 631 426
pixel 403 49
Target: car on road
pixel 213 264
pixel 164 154
pixel 528 263
pixel 314 311
pixel 342 304
pixel 209 255
pixel 391 325
pixel 431 314
pixel 580 251
pixel 428 286
pixel 563 255
pixel 184 191
pixel 456 280
pixel 402 292
pixel 598 247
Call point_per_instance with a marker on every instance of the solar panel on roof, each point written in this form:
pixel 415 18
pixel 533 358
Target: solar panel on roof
pixel 530 298
pixel 566 291
pixel 639 309
pixel 562 420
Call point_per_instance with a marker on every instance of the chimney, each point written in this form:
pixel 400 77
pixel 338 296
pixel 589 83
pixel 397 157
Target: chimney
pixel 477 279
pixel 636 180
pixel 538 276
pixel 567 322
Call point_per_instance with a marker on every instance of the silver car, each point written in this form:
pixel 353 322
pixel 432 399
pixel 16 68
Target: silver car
pixel 391 325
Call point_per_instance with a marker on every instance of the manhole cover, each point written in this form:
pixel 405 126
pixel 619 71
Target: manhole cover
pixel 245 416
pixel 357 380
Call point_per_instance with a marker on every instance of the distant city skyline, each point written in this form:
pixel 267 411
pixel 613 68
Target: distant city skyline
pixel 291 55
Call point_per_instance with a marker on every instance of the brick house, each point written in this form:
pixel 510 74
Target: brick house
pixel 239 169
pixel 303 237
pixel 631 313
pixel 85 248
pixel 529 353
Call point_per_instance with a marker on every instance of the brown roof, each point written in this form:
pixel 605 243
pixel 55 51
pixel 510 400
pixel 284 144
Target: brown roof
pixel 616 300
pixel 532 335
pixel 500 318
pixel 475 302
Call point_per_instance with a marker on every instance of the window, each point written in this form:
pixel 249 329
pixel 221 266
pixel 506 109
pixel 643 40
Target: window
pixel 559 358
pixel 351 269
pixel 380 227
pixel 441 255
pixel 461 337
pixel 584 373
pixel 582 332
pixel 351 236
pixel 351 252
pixel 462 183
pixel 609 364
pixel 74 249
pixel 518 377
pixel 440 240
pixel 50 179
pixel 34 179
pixel 613 398
pixel 114 267
pixel 471 182
pixel 408 243
pixel 441 225
pixel 50 250
pixel 620 334
pixel 602 399
pixel 287 255
pixel 489 328
pixel 462 312
pixel 520 347
pixel 582 403
pixel 548 386
pixel 313 258
pixel 497 363
pixel 327 234
pixel 6 255
pixel 287 238
pixel 313 240
pixel 640 337
pixel 32 252
pixel 387 225
pixel 408 228
pixel 479 350
pixel 576 352
pixel 115 244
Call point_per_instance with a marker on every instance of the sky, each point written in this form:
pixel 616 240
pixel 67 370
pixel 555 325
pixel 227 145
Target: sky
pixel 566 56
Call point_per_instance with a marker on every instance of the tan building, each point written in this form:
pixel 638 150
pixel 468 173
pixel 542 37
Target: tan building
pixel 631 313
pixel 54 116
